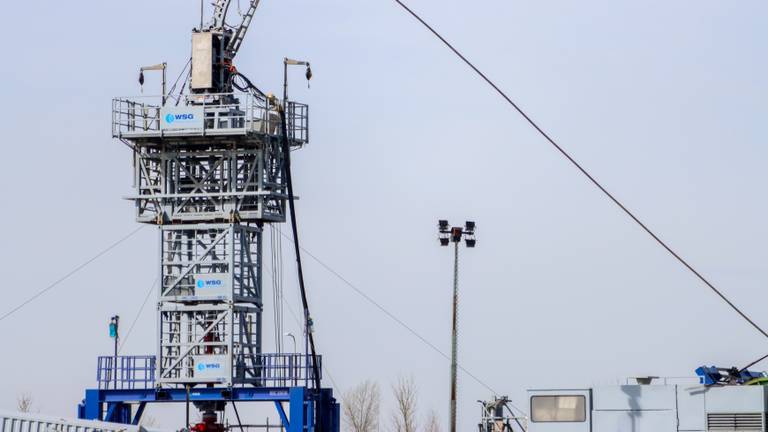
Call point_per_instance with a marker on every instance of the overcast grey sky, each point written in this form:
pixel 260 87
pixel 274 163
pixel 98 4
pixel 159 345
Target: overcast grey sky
pixel 664 101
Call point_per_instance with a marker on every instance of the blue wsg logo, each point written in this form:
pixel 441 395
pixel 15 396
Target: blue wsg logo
pixel 170 118
pixel 210 283
pixel 203 366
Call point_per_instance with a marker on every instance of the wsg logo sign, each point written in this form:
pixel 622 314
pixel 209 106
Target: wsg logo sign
pixel 203 366
pixel 209 283
pixel 170 118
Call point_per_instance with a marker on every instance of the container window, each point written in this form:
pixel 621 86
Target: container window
pixel 562 408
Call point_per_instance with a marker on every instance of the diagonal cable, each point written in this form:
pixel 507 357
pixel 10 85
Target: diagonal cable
pixel 326 369
pixel 584 171
pixel 397 320
pixel 72 272
pixel 138 315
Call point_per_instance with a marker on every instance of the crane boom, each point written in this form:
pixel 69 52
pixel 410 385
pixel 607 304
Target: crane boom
pixel 221 7
pixel 237 39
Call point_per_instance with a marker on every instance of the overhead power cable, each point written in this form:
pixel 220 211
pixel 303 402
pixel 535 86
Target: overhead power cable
pixel 69 274
pixel 583 170
pixel 753 363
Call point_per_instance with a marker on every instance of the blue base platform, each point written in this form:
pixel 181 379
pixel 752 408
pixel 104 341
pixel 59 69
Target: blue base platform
pixel 308 410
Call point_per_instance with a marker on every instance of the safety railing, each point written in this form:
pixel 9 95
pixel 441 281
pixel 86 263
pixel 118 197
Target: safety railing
pixel 273 370
pixel 130 116
pixel 209 114
pixel 298 122
pixel 130 372
pixel 288 370
pixel 503 423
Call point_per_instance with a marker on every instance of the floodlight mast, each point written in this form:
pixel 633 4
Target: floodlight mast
pixel 447 235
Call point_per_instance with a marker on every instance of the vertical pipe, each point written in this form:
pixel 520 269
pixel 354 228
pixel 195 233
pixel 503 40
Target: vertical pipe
pixel 160 287
pixel 165 66
pixel 454 335
pixel 285 82
pixel 187 414
pixel 306 352
pixel 117 337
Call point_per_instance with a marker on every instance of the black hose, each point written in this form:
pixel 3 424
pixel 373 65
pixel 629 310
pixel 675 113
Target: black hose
pixel 297 248
pixel 239 423
pixel 246 86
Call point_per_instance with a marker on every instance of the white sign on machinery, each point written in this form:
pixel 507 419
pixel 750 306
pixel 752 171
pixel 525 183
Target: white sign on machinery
pixel 185 117
pixel 213 367
pixel 213 285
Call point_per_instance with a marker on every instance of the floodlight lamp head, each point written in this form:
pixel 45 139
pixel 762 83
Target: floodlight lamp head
pixel 292 62
pixel 309 72
pixel 469 227
pixel 442 225
pixel 471 242
pixel 444 241
pixel 141 77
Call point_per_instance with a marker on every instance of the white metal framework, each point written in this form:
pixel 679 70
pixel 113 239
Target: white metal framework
pixel 209 170
pixel 210 304
pixel 210 181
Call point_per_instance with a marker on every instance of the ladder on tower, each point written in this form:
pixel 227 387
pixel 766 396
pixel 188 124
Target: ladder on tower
pixel 237 39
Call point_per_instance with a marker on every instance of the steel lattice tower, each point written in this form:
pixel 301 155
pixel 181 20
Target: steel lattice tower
pixel 209 171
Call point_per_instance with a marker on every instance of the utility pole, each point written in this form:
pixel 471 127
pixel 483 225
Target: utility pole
pixel 448 235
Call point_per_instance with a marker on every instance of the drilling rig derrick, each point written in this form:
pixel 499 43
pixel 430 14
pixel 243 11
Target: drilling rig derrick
pixel 209 171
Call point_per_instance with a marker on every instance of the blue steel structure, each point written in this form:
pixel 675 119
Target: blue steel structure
pixel 307 409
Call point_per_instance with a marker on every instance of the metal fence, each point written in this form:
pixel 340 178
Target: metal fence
pixel 273 370
pixel 224 114
pixel 131 373
pixel 288 370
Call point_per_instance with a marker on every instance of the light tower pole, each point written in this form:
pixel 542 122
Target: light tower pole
pixel 448 235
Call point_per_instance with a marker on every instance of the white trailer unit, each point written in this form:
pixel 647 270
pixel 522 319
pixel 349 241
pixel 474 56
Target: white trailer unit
pixel 650 408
